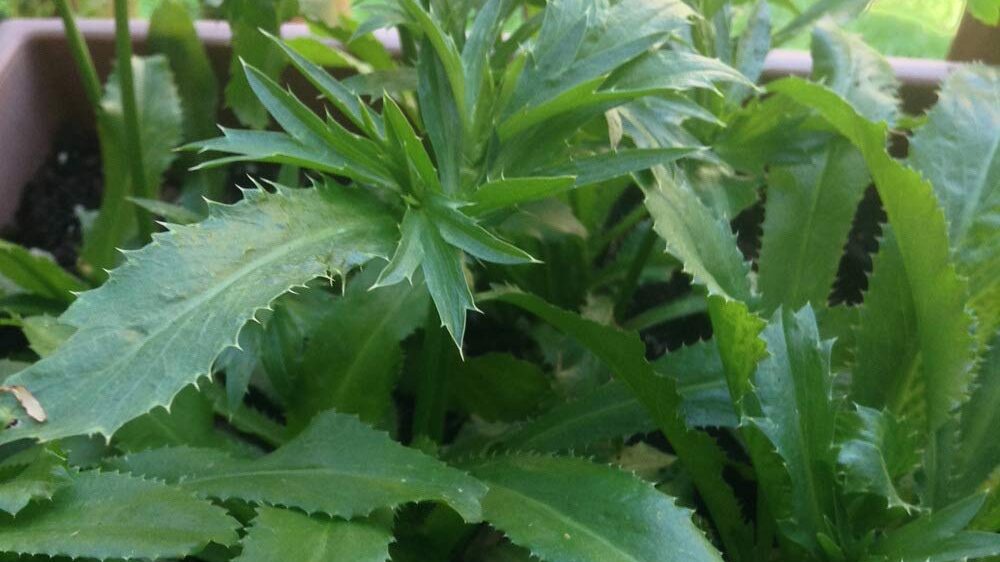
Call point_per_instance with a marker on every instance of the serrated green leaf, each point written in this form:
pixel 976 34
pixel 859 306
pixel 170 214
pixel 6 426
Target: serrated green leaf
pixel 281 534
pixel 605 166
pixel 39 480
pixel 939 537
pixel 979 451
pixel 752 49
pixel 874 452
pixel 608 412
pixel 856 71
pixel 337 466
pixel 536 502
pixel 807 217
pixel 939 295
pixel 703 242
pixel 669 70
pixel 442 118
pixel 351 361
pixel 461 231
pixel 185 297
pixel 624 354
pixel 794 408
pixel 109 515
pixel 37 273
pixel 500 387
pixel 958 151
pixel 701 383
pixel 171 212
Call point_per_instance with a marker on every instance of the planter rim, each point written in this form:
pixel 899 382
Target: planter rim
pixel 779 62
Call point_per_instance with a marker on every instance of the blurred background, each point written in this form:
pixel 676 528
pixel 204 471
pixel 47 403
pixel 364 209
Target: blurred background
pixel 908 28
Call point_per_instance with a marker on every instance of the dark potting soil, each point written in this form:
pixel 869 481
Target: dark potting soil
pixel 71 178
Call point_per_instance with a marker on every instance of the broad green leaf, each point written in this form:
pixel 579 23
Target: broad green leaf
pixel 37 273
pixel 108 515
pixel 701 383
pixel 807 217
pixel 536 501
pixel 939 537
pixel 608 412
pixel 958 152
pixel 862 76
pixel 624 353
pixel 282 534
pixel 939 295
pixel 886 340
pixel 508 192
pixel 247 18
pixel 351 361
pixel 500 387
pixel 875 451
pixel 337 466
pixel 987 11
pixel 165 315
pixel 159 112
pixel 37 480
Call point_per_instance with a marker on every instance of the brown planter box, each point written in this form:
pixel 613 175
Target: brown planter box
pixel 40 88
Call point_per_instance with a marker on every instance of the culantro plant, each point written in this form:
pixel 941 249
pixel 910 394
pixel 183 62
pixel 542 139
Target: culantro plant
pixel 512 299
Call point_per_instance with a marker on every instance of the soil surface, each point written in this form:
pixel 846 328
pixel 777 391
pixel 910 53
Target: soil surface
pixel 71 178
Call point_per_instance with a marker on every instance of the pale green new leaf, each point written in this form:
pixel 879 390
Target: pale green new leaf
pixel 337 466
pixel 794 408
pixel 109 515
pixel 536 501
pixel 164 316
pixel 943 325
pixel 37 273
pixel 958 151
pixel 38 480
pixel 856 71
pixel 282 534
pixel 807 218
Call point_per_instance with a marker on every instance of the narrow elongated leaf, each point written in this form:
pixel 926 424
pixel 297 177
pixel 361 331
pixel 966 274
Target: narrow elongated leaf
pixel 337 466
pixel 807 219
pixel 282 534
pixel 174 306
pixel 38 480
pixel 940 537
pixel 939 294
pixel 504 193
pixel 958 151
pixel 37 273
pixel 668 70
pixel 624 354
pixel 605 166
pixel 979 450
pixel 793 391
pixel 461 231
pixel 752 49
pixel 247 18
pixel 536 502
pixel 608 412
pixel 109 515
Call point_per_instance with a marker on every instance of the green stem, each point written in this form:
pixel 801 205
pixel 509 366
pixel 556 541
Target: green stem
pixel 130 114
pixel 631 282
pixel 431 398
pixel 81 56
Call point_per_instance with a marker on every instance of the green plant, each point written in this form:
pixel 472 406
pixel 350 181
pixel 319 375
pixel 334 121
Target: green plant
pixel 241 388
